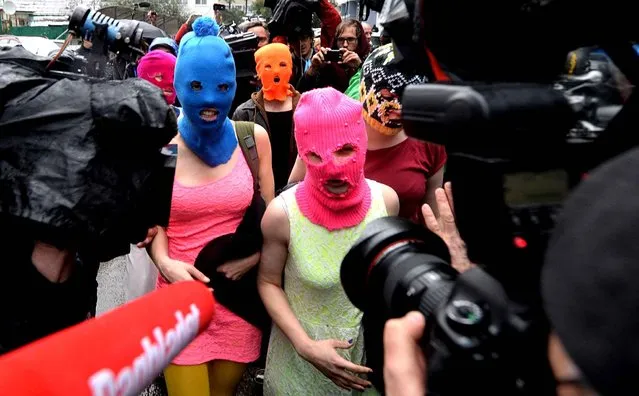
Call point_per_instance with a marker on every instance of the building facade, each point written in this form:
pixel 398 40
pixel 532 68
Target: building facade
pixel 204 7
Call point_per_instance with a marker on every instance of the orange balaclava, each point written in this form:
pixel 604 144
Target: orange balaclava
pixel 275 68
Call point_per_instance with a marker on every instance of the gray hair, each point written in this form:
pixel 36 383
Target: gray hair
pixel 245 26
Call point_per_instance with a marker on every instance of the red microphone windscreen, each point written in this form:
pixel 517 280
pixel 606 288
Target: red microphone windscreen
pixel 119 353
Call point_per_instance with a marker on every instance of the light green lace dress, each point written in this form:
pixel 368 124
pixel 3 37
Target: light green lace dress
pixel 315 294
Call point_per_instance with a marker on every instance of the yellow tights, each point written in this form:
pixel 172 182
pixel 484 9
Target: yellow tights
pixel 216 378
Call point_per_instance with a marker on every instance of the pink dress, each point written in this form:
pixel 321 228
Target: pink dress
pixel 198 215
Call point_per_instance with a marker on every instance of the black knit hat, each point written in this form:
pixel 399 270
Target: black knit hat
pixel 590 281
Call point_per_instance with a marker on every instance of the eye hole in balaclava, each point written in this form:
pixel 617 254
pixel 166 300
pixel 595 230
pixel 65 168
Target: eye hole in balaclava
pixel 313 158
pixel 344 153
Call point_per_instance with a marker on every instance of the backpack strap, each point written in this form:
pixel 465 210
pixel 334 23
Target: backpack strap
pixel 246 138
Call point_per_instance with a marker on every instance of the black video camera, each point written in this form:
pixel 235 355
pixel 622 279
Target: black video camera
pixel 243 46
pixel 292 18
pixel 515 149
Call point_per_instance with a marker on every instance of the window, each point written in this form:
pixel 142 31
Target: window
pixel 202 2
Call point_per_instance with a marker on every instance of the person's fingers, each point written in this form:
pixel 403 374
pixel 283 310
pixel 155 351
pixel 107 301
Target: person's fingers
pixel 352 367
pixel 323 51
pixel 143 243
pixel 341 344
pixel 445 212
pixel 404 361
pixel 448 188
pixel 352 380
pixel 197 274
pixel 401 336
pixel 430 220
pixel 341 383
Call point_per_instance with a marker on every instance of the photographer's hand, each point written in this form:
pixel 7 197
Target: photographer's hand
pixel 351 59
pixel 404 360
pixel 324 357
pixel 317 61
pixel 444 226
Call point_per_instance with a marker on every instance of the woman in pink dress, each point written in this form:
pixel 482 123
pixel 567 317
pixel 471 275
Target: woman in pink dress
pixel 212 190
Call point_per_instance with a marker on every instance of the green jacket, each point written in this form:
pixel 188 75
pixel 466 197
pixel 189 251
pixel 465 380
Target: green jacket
pixel 353 86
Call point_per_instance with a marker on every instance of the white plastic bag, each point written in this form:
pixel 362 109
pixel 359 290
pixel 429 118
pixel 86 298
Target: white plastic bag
pixel 141 273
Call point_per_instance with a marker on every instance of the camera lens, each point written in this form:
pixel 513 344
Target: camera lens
pixel 395 267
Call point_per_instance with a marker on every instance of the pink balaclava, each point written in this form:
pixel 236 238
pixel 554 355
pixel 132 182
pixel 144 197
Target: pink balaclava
pixel 158 68
pixel 332 141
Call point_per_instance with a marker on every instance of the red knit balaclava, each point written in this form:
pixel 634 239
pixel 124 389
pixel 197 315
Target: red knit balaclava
pixel 329 124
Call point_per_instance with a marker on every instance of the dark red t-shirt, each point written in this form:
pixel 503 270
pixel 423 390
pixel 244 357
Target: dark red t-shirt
pixel 405 168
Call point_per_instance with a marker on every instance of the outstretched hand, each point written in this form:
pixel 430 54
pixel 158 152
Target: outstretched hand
pixel 444 226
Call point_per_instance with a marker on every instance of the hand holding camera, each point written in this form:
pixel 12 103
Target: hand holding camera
pixel 340 56
pixel 404 359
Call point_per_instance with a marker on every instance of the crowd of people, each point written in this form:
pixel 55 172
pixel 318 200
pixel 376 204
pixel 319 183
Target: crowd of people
pixel 331 157
pixel 295 165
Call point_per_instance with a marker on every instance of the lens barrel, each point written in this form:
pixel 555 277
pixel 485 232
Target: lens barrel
pixel 397 264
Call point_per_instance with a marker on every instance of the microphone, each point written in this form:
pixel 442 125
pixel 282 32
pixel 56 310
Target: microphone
pixel 119 353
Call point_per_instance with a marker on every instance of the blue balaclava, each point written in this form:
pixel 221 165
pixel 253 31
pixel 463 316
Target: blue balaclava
pixel 205 86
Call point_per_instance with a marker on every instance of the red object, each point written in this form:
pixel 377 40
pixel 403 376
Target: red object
pixel 520 242
pixel 119 353
pixel 439 73
pixel 406 168
pixel 329 18
pixel 280 39
pixel 184 29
